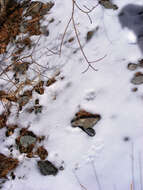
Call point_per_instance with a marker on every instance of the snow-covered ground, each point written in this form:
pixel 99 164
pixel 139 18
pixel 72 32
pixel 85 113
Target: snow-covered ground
pixel 105 161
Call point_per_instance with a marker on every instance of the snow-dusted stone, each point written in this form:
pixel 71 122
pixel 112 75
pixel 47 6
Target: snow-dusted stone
pixel 108 5
pixel 132 66
pixel 140 63
pixel 137 79
pixel 47 168
pixel 27 140
pixel 90 131
pixel 85 121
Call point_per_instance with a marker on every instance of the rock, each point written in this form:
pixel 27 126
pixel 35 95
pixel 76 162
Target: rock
pixel 137 79
pixel 61 168
pixel 47 168
pixel 126 139
pixel 38 109
pixel 6 165
pixel 89 35
pixel 90 131
pixel 134 89
pixel 71 40
pixel 140 63
pixel 27 140
pixel 132 66
pixel 44 30
pixel 36 101
pixel 85 121
pixel 108 5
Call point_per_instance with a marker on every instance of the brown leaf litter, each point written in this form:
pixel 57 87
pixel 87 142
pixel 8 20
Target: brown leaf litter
pixel 14 21
pixel 7 164
pixel 42 152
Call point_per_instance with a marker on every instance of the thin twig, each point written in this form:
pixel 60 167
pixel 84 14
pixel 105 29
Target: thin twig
pixel 77 178
pixel 89 10
pixel 61 44
pixel 82 51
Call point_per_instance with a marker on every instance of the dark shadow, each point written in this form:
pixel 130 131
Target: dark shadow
pixel 131 17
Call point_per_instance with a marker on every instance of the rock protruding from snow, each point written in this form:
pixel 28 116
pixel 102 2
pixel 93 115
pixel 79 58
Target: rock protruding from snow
pixel 47 168
pixel 26 141
pixel 108 4
pixel 137 79
pixel 132 66
pixel 85 121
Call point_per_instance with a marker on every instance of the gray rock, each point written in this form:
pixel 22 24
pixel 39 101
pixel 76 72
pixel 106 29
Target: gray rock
pixel 38 109
pixel 108 5
pixel 47 168
pixel 90 131
pixel 27 140
pixel 137 79
pixel 132 66
pixel 141 63
pixel 87 122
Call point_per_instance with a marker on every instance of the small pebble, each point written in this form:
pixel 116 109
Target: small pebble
pixel 134 89
pixel 47 168
pixel 137 79
pixel 140 63
pixel 90 131
pixel 132 66
pixel 126 139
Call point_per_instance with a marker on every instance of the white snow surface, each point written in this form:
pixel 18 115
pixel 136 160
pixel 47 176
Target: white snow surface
pixel 104 161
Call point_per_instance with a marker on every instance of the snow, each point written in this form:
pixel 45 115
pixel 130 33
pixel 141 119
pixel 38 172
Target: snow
pixel 106 92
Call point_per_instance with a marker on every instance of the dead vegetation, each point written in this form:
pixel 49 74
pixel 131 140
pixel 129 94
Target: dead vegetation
pixel 7 164
pixel 16 24
pixel 17 29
